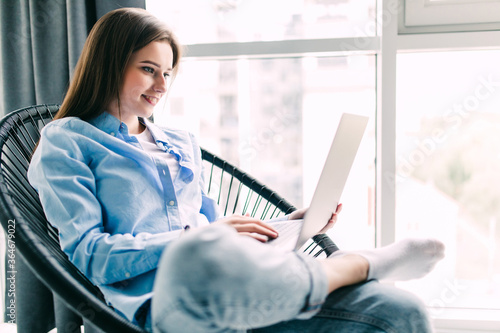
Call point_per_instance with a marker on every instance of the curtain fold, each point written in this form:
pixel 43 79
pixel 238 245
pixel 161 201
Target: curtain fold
pixel 40 43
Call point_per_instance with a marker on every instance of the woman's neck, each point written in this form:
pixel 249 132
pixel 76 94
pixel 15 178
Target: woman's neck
pixel 135 127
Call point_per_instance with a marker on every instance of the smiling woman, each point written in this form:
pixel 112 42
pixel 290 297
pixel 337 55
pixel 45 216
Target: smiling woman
pixel 107 56
pixel 145 81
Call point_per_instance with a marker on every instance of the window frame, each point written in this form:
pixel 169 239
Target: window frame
pixel 426 16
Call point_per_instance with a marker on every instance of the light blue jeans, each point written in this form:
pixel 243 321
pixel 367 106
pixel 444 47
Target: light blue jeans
pixel 213 280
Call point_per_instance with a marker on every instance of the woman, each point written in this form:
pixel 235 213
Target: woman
pixel 121 192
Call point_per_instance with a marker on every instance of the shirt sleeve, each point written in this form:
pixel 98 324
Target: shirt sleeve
pixel 60 172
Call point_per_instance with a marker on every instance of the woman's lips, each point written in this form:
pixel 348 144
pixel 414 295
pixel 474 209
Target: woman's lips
pixel 151 99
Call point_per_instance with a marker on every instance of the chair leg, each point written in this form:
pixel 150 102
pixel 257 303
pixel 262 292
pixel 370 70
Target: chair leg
pixel 90 328
pixel 67 321
pixel 34 304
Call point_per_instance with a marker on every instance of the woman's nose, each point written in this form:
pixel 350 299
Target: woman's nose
pixel 161 84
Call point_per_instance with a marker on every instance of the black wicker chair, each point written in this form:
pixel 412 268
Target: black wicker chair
pixel 22 214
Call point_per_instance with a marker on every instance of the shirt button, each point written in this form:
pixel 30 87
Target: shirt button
pixel 171 203
pixel 112 133
pixel 127 275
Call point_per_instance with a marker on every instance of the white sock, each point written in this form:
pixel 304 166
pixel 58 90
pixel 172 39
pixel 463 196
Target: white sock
pixel 407 259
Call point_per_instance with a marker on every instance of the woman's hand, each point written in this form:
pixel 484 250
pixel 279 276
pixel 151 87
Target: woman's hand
pixel 300 213
pixel 249 226
pixel 332 220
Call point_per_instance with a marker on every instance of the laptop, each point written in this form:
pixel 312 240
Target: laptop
pixel 293 234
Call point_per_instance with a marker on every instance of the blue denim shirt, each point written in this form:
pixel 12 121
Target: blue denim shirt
pixel 117 208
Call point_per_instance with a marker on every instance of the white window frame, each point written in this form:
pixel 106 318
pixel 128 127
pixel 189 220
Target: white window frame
pixel 420 16
pixel 447 12
pixel 392 38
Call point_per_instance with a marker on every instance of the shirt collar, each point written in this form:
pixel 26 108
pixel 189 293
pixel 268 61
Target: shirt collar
pixel 175 142
pixel 158 134
pixel 110 124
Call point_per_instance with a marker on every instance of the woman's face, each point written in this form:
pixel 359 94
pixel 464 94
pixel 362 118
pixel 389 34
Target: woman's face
pixel 144 83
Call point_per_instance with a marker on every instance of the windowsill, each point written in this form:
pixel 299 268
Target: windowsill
pixel 467 321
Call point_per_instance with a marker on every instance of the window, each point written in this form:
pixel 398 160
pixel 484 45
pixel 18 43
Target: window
pixel 274 92
pixel 275 112
pixel 276 118
pixel 448 139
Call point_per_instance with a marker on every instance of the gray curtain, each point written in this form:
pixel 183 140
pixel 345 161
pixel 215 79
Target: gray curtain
pixel 40 42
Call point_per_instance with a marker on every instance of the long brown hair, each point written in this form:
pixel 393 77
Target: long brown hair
pixel 98 74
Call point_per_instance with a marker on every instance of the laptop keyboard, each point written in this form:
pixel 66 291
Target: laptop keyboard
pixel 287 230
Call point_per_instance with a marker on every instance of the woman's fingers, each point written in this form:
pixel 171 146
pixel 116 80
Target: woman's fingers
pixel 339 208
pixel 250 225
pixel 255 226
pixel 334 217
pixel 327 227
pixel 258 237
pixel 261 231
pixel 332 221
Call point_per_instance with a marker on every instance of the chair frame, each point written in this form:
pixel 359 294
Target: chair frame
pixel 24 221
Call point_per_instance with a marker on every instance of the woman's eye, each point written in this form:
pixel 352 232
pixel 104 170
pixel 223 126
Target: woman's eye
pixel 165 75
pixel 148 69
